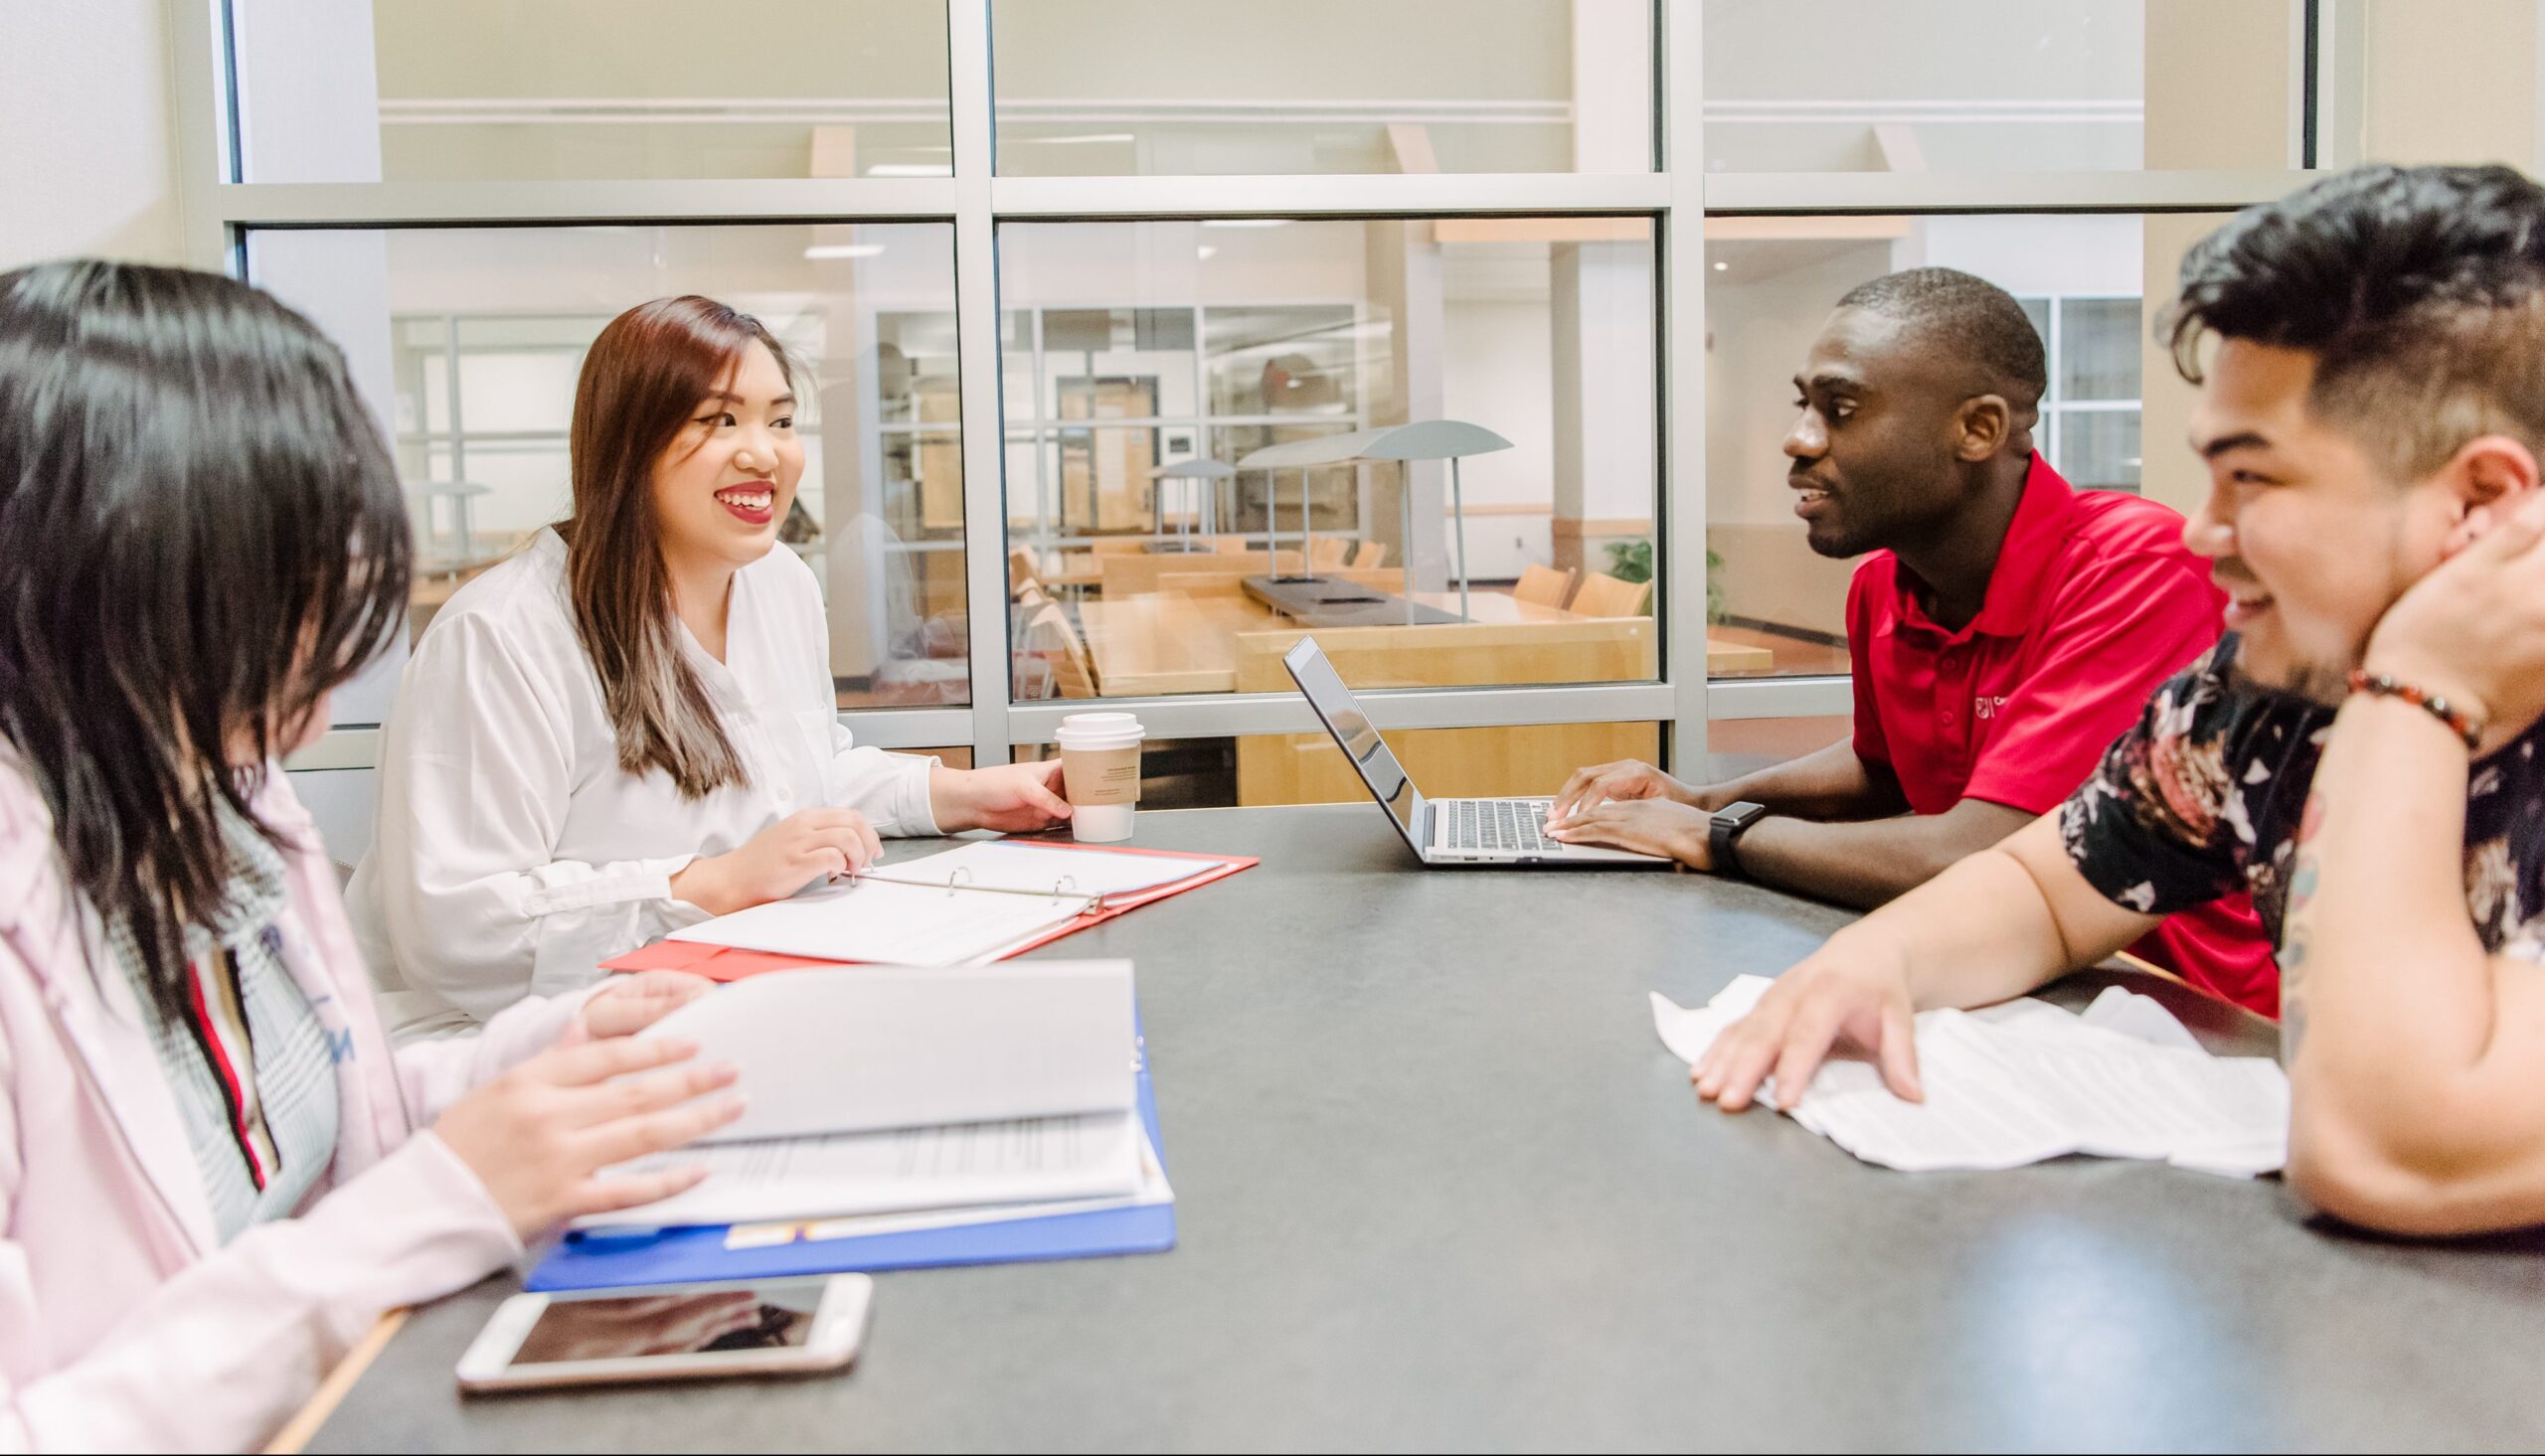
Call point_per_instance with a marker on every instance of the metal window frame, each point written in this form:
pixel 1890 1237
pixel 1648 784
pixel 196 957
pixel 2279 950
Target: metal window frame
pixel 2055 405
pixel 221 212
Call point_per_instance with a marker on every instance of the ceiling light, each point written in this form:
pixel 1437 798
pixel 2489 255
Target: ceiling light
pixel 1206 251
pixel 821 250
pixel 1721 267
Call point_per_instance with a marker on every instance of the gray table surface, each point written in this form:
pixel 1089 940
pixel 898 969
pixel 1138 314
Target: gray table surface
pixel 1438 1185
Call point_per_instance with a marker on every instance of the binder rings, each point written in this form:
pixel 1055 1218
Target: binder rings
pixel 606 1259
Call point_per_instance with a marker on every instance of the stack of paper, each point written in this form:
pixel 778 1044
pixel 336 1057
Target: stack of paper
pixel 2024 1082
pixel 888 1089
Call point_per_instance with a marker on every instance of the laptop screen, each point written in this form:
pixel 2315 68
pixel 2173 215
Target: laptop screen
pixel 1357 738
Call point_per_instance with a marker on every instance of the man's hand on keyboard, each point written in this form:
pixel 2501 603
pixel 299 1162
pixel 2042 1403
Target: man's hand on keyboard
pixel 1651 826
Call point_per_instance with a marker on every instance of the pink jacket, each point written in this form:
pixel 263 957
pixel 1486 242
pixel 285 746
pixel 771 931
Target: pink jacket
pixel 124 1323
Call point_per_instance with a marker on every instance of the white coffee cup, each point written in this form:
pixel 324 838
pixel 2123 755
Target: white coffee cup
pixel 1100 773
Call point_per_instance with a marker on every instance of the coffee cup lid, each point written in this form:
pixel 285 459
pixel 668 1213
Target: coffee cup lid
pixel 1069 737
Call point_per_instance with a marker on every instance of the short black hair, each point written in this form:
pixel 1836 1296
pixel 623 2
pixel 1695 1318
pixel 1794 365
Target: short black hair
pixel 1971 318
pixel 203 536
pixel 2421 290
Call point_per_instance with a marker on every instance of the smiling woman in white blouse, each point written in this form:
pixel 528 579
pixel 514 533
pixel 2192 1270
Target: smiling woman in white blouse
pixel 630 727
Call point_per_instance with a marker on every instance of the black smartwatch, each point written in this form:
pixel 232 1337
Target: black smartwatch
pixel 1728 825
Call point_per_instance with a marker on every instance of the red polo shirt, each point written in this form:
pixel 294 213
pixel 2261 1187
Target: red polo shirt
pixel 2095 601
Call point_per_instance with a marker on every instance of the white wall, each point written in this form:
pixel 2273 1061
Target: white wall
pixel 1800 84
pixel 2036 255
pixel 1515 399
pixel 87 145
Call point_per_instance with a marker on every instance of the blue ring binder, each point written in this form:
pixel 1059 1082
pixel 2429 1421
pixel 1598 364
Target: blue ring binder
pixel 614 1260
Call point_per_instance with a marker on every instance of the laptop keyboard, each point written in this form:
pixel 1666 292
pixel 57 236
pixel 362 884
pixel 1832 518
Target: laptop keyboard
pixel 1498 826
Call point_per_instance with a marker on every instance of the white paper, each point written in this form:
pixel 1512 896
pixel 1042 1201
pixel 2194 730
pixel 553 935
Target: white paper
pixel 1153 1190
pixel 860 1049
pixel 2133 1015
pixel 1033 1159
pixel 1042 870
pixel 890 923
pixel 2024 1082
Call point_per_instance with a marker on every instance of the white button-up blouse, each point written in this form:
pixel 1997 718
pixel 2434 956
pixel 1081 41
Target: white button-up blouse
pixel 512 854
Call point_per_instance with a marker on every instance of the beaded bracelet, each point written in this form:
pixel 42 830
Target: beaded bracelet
pixel 2385 684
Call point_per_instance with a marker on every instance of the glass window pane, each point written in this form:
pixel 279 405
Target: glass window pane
pixel 429 387
pixel 1536 330
pixel 2098 349
pixel 879 512
pixel 1264 501
pixel 512 389
pixel 916 381
pixel 956 756
pixel 401 90
pixel 1016 367
pixel 1875 86
pixel 1147 88
pixel 2038 310
pixel 1109 363
pixel 1104 478
pixel 1175 773
pixel 1739 745
pixel 1296 359
pixel 2098 448
pixel 1306 768
pixel 1777 608
pixel 1488 762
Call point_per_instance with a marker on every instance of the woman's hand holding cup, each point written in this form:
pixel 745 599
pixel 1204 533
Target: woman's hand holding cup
pixel 1101 764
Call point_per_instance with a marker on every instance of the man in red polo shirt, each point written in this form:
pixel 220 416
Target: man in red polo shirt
pixel 2004 630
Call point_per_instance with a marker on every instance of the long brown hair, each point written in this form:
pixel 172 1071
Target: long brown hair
pixel 644 376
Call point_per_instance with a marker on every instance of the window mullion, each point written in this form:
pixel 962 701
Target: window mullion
pixel 976 332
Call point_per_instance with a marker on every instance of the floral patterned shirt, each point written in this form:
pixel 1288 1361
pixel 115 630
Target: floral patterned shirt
pixel 2204 794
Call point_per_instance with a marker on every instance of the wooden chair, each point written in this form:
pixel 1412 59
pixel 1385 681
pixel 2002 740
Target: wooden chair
pixel 1333 550
pixel 1544 586
pixel 1370 554
pixel 1603 595
pixel 1121 546
pixel 1020 573
pixel 1231 546
pixel 1072 671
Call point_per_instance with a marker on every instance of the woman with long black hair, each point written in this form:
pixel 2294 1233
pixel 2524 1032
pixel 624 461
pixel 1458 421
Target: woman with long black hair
pixel 630 726
pixel 214 1171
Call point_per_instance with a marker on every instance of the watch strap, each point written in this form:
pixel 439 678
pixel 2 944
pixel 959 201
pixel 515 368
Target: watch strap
pixel 1723 835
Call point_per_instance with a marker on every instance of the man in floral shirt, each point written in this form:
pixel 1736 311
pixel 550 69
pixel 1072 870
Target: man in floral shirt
pixel 2359 751
pixel 2207 794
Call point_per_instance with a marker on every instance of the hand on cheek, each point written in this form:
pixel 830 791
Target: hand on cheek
pixel 2474 629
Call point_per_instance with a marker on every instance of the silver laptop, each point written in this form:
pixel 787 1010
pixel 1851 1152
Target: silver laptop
pixel 1442 832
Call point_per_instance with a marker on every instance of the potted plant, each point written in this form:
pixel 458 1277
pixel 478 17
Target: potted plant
pixel 1632 561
